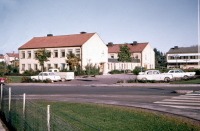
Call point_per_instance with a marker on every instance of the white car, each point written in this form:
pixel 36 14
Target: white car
pixel 46 76
pixel 154 75
pixel 181 73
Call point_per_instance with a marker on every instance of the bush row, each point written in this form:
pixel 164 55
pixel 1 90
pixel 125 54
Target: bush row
pixel 29 80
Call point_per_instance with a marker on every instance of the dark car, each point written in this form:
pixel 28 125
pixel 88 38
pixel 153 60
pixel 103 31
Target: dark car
pixel 3 80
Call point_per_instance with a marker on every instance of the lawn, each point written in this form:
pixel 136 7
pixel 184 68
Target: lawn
pixel 197 81
pixel 15 78
pixel 112 118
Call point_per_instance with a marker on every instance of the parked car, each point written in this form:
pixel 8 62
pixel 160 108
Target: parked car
pixel 3 80
pixel 64 75
pixel 181 73
pixel 154 75
pixel 46 76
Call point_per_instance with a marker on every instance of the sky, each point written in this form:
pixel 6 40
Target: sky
pixel 162 23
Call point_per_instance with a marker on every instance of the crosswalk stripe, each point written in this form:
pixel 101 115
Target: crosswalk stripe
pixel 181 100
pixel 189 98
pixel 188 107
pixel 163 102
pixel 187 101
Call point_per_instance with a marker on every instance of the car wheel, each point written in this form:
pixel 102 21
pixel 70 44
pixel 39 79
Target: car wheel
pixel 144 79
pixel 167 79
pixel 185 77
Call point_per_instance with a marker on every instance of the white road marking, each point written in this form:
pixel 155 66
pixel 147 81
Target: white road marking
pixel 176 103
pixel 188 107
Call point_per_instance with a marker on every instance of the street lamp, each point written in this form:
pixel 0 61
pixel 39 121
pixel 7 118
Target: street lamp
pixel 176 56
pixel 89 66
pixel 124 71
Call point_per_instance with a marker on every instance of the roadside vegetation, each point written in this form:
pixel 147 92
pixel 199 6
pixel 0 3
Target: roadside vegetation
pixel 90 117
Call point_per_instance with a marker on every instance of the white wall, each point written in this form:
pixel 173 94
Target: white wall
pixel 148 57
pixel 95 51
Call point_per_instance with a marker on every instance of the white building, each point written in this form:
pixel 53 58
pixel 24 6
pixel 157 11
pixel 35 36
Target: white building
pixel 182 57
pixel 141 53
pixel 88 46
pixel 11 58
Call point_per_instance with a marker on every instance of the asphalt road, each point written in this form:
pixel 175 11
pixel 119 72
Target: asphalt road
pixel 81 90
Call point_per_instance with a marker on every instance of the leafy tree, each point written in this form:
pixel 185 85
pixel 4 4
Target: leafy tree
pixel 42 56
pixel 160 59
pixel 73 61
pixel 124 54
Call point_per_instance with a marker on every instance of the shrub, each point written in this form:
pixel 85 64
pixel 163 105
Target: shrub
pixel 120 81
pixel 137 70
pixel 31 72
pixel 29 80
pixel 9 80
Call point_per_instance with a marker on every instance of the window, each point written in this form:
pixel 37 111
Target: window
pixel 29 67
pixel 62 66
pixel 62 53
pixel 29 54
pixel 35 67
pixel 77 52
pixel 55 65
pixel 112 55
pixel 48 66
pixel 23 67
pixel 69 51
pixel 23 54
pixel 35 53
pixel 55 53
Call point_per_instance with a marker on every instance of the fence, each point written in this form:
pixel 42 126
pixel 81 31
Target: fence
pixel 23 115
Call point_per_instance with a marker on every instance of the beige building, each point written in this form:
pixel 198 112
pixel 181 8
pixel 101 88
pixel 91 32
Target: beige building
pixel 141 53
pixel 88 46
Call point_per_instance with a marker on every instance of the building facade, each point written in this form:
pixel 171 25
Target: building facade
pixel 182 57
pixel 141 53
pixel 88 46
pixel 11 58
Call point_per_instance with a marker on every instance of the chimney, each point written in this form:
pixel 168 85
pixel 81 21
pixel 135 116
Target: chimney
pixel 134 43
pixel 83 32
pixel 49 35
pixel 110 43
pixel 13 52
pixel 175 47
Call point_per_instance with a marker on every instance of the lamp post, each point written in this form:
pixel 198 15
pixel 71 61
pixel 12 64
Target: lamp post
pixel 176 56
pixel 89 66
pixel 124 71
pixel 186 61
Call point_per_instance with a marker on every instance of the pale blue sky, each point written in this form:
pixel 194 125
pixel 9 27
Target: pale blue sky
pixel 162 23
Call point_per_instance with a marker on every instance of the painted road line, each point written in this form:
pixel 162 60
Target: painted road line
pixel 189 98
pixel 193 94
pixel 176 103
pixel 183 107
pixel 188 95
pixel 181 100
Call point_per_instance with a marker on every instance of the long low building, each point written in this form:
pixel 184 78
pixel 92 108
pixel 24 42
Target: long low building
pixel 142 54
pixel 88 46
pixel 183 57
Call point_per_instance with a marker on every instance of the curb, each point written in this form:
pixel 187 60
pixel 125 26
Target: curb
pixel 107 85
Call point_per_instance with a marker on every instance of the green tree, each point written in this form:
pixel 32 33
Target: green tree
pixel 42 56
pixel 160 59
pixel 124 54
pixel 73 61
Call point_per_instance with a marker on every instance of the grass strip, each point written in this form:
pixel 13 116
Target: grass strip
pixel 197 81
pixel 114 118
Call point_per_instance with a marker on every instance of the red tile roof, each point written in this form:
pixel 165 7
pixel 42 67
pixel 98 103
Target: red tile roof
pixel 13 55
pixel 139 47
pixel 57 41
pixel 1 57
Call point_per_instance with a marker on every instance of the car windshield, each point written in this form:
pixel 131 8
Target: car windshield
pixel 52 74
pixel 181 71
